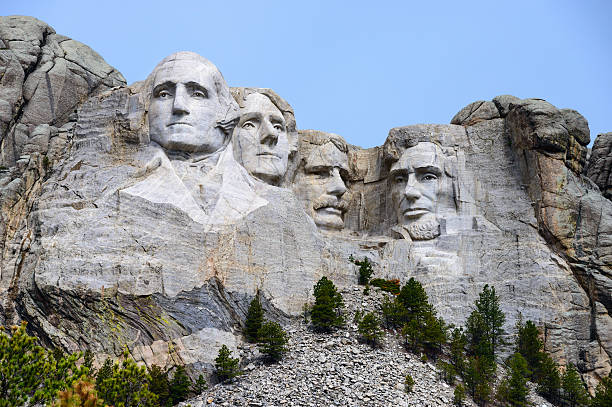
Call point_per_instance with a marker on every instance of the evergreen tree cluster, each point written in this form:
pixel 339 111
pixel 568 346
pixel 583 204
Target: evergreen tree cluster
pixel 326 313
pixel 269 335
pixel 365 269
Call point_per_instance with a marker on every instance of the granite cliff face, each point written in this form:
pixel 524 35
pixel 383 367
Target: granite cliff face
pixel 152 216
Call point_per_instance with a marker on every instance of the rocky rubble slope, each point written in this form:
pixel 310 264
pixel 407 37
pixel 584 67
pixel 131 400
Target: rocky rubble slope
pixel 336 370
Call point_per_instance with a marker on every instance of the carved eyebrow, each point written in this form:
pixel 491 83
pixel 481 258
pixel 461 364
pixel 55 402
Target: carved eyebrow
pixel 250 116
pixel 315 168
pixel 197 86
pixel 399 171
pixel 163 86
pixel 430 168
pixel 277 119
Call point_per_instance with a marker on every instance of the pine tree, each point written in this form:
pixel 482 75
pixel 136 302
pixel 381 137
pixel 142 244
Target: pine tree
pixel 414 298
pixel 326 313
pixel 484 325
pixel 513 389
pixel 30 374
pixel 529 345
pixel 574 391
pixel 603 393
pixel 200 385
pixel 160 385
pixel 226 367
pixel 365 269
pixel 254 320
pixel 128 386
pixel 179 385
pixel 459 395
pixel 478 373
pixel 549 379
pixel 272 341
pixel 369 329
pixel 457 349
pixel 104 373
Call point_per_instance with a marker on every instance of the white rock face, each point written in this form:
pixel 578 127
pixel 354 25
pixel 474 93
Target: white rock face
pixel 152 219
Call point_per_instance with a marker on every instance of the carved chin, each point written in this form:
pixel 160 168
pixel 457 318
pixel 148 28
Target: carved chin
pixel 329 218
pixel 425 229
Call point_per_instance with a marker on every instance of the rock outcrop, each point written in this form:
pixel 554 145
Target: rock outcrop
pixel 123 227
pixel 599 168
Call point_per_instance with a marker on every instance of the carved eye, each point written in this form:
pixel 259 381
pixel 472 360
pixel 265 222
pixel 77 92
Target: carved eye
pixel 322 173
pixel 163 94
pixel 248 125
pixel 399 179
pixel 199 94
pixel 429 177
pixel 279 127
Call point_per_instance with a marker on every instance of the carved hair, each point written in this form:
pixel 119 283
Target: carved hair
pixel 320 138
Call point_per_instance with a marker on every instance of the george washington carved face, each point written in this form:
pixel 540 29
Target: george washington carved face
pixel 188 105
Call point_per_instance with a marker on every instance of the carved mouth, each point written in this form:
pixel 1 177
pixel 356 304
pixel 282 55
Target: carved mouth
pixel 415 212
pixel 330 210
pixel 268 154
pixel 179 123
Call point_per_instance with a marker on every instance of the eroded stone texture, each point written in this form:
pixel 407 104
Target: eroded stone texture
pixel 599 168
pixel 139 224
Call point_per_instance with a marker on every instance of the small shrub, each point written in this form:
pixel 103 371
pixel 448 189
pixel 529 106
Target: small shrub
pixel 366 290
pixel 226 367
pixel 447 372
pixel 603 393
pixel 459 395
pixel 408 383
pixel 391 286
pixel 160 385
pixel 200 385
pixel 424 358
pixel 365 269
pixel 272 341
pixel 81 394
pixel 574 391
pixel 369 329
pixel 128 386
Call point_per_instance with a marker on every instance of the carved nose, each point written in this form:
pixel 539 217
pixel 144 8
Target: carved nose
pixel 180 104
pixel 412 191
pixel 336 186
pixel 268 134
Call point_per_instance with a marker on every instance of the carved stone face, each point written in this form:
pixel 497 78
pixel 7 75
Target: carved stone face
pixel 184 107
pixel 418 183
pixel 260 139
pixel 321 186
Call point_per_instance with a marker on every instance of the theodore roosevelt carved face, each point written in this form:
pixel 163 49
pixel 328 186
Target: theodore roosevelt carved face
pixel 190 107
pixel 320 183
pixel 418 185
pixel 260 139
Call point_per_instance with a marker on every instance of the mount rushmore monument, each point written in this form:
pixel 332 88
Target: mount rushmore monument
pixel 148 216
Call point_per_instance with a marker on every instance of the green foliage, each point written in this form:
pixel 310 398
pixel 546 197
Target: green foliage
pixel 458 342
pixel 105 372
pixel 200 385
pixel 391 286
pixel 272 341
pixel 513 389
pixel 326 313
pixel 365 269
pixel 549 379
pixel 603 393
pixel 369 329
pixel 393 313
pixel 459 395
pixel 529 345
pixel 479 372
pixel 421 329
pixel 484 325
pixel 88 362
pixel 160 385
pixel 127 386
pixel 254 320
pixel 408 383
pixel 574 392
pixel 81 394
pixel 226 367
pixel 29 374
pixel 446 372
pixel 179 385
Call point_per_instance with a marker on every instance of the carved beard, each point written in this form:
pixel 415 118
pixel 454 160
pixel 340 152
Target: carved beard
pixel 424 230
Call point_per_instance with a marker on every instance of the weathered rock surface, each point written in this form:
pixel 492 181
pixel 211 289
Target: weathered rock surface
pixel 112 240
pixel 599 168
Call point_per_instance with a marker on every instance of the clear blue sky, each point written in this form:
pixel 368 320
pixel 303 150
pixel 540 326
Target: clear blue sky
pixel 360 68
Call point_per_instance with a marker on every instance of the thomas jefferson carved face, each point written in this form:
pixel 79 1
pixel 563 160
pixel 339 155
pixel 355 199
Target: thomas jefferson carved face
pixel 185 105
pixel 321 186
pixel 260 139
pixel 418 183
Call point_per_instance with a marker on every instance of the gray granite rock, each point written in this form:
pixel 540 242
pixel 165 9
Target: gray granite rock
pixel 599 168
